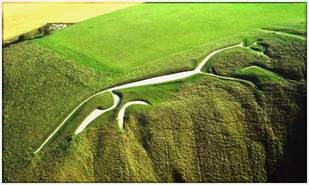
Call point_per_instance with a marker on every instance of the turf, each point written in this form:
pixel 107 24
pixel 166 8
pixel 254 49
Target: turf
pixel 155 36
pixel 40 88
pixel 257 74
pixel 201 129
pixel 273 52
pixel 229 61
pixel 191 126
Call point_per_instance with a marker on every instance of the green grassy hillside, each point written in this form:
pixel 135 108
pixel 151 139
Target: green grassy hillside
pixel 229 61
pixel 277 53
pixel 200 129
pixel 148 32
pixel 257 74
pixel 40 89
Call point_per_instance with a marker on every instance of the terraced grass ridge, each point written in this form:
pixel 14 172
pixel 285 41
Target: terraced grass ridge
pixel 242 119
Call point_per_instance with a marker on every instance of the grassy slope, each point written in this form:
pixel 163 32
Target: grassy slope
pixel 229 61
pixel 257 74
pixel 279 54
pixel 255 125
pixel 259 137
pixel 145 33
pixel 285 52
pixel 94 151
pixel 199 129
pixel 184 127
pixel 40 89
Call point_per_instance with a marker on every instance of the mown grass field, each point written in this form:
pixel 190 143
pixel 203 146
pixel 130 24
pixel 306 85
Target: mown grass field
pixel 145 34
pixel 19 18
pixel 200 129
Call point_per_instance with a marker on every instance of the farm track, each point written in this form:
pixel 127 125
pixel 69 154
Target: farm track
pixel 151 81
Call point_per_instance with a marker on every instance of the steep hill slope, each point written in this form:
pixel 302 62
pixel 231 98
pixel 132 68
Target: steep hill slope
pixel 201 129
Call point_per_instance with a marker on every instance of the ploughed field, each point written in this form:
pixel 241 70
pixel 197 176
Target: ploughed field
pixel 243 119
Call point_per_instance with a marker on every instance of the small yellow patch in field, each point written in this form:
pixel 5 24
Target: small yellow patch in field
pixel 19 18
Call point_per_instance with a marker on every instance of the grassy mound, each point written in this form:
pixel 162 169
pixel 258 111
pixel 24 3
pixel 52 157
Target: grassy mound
pixel 280 54
pixel 287 55
pixel 227 62
pixel 257 74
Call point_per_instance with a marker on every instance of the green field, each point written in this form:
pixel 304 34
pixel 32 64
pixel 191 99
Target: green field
pixel 199 129
pixel 127 39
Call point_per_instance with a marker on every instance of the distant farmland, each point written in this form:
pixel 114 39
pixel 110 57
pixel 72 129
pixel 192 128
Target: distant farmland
pixel 19 18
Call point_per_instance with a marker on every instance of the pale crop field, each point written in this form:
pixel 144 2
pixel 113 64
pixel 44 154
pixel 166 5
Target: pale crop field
pixel 19 18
